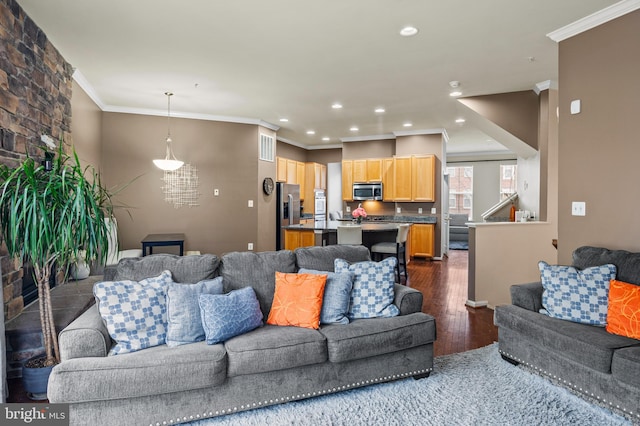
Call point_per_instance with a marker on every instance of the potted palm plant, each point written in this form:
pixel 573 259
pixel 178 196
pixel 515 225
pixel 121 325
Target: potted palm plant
pixel 48 213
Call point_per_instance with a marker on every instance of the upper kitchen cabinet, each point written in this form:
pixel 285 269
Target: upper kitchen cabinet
pixel 291 171
pixel 388 182
pixel 315 178
pixel 423 187
pixel 347 180
pixel 369 170
pixel 281 169
pixel 402 178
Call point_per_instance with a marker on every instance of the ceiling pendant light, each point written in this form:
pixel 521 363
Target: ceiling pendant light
pixel 169 162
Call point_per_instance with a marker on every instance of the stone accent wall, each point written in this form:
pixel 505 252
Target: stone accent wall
pixel 35 99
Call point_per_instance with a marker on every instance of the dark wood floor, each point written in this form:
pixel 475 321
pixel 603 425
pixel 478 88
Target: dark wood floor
pixel 444 285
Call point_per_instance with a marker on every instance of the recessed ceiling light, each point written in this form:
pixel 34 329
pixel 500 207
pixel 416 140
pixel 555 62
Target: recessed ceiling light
pixel 284 120
pixel 326 139
pixel 460 120
pixel 408 31
pixel 311 132
pixel 336 106
pixel 354 129
pixel 379 110
pixel 455 93
pixel 407 124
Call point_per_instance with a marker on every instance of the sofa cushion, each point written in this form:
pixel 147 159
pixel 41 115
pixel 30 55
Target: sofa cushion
pixel 337 293
pixel 273 347
pixel 228 315
pixel 364 338
pixel 623 316
pixel 297 300
pixel 184 269
pixel 626 365
pixel 135 313
pixel 581 343
pixel 257 270
pixel 184 321
pixel 322 258
pixel 136 374
pixel 373 288
pixel 576 295
pixel 627 263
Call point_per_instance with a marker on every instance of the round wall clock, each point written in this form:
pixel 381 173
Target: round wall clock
pixel 267 185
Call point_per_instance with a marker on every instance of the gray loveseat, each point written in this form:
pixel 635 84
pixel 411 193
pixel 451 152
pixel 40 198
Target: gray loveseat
pixel 266 366
pixel 586 358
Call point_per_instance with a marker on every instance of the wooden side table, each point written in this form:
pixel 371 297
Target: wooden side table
pixel 162 240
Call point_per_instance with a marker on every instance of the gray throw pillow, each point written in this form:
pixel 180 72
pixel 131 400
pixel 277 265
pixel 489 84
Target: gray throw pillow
pixel 183 311
pixel 228 315
pixel 337 292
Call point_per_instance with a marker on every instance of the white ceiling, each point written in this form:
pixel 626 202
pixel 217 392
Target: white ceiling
pixel 263 60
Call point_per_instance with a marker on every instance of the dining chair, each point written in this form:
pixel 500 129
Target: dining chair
pixel 350 234
pixel 397 248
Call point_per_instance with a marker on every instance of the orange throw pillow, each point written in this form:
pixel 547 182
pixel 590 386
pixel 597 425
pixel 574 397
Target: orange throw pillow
pixel 623 314
pixel 297 300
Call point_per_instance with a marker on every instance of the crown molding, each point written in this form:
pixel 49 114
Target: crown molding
pixel 420 132
pixel 545 85
pixel 88 88
pixel 367 138
pixel 598 18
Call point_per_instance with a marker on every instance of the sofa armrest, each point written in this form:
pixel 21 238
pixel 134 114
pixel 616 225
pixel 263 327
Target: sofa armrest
pixel 86 336
pixel 527 296
pixel 407 299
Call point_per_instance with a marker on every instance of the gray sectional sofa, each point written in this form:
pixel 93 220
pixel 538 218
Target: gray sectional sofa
pixel 586 358
pixel 266 366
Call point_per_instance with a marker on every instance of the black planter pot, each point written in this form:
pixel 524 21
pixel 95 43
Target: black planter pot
pixel 35 381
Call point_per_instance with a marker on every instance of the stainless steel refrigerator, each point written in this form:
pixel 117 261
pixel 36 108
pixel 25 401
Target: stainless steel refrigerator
pixel 288 205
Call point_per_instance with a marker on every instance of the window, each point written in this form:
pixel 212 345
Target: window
pixel 466 202
pixel 508 180
pixel 267 151
pixel 461 190
pixel 452 201
pixel 451 171
pixel 468 172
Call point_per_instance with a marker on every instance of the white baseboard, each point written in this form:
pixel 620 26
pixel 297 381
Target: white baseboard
pixel 477 303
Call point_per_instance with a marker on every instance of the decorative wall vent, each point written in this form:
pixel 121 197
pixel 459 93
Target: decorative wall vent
pixel 181 186
pixel 267 147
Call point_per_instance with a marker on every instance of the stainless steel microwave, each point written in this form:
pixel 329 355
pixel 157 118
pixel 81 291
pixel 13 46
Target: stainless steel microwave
pixel 367 191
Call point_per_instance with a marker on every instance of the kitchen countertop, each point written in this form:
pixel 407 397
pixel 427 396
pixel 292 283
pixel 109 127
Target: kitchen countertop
pixel 378 225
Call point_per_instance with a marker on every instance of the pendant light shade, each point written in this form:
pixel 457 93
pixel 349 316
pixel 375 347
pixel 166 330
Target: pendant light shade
pixel 169 162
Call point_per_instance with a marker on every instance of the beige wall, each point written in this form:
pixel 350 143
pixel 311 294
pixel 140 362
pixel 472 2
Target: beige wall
pixel 599 148
pixel 369 149
pixel 291 152
pixel 226 155
pixel 86 126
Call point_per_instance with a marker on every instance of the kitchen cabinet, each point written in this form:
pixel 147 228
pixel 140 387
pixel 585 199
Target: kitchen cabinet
pixel 422 241
pixel 367 170
pixel 387 179
pixel 315 177
pixel 423 178
pixel 295 238
pixel 281 169
pixel 402 179
pixel 292 171
pixel 300 178
pixel 347 180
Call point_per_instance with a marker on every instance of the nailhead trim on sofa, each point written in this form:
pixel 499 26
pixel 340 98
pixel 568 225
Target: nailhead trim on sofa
pixel 290 398
pixel 563 381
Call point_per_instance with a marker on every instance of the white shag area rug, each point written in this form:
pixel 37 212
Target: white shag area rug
pixel 471 388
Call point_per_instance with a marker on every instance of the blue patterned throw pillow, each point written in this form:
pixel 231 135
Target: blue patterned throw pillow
pixel 373 288
pixel 183 310
pixel 135 313
pixel 337 295
pixel 228 315
pixel 576 295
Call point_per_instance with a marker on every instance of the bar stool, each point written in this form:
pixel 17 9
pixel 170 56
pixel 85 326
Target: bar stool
pixel 350 234
pixel 397 248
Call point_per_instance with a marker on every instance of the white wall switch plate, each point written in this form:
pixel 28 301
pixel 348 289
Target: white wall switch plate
pixel 398 209
pixel 419 210
pixel 250 246
pixel 250 203
pixel 578 208
pixel 216 192
pixel 433 210
pixel 348 209
pixel 575 106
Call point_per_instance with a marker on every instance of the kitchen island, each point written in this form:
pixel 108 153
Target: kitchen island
pixel 374 230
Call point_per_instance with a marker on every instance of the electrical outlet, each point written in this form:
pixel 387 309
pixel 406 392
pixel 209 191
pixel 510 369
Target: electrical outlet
pixel 216 192
pixel 578 208
pixel 433 210
pixel 348 209
pixel 250 203
pixel 250 246
pixel 398 209
pixel 419 210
